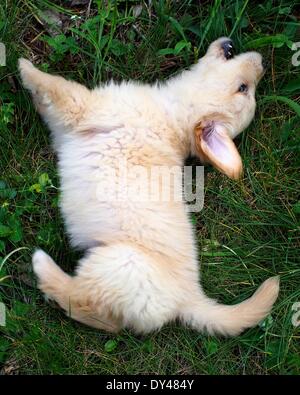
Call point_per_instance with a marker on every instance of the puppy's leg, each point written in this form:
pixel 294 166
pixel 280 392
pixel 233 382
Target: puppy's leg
pixel 75 295
pixel 115 285
pixel 61 103
pixel 133 283
pixel 206 314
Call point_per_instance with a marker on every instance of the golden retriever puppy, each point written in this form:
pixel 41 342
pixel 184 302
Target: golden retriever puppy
pixel 140 268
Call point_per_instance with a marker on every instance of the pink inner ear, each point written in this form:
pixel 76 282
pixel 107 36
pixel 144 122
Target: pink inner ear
pixel 220 150
pixel 213 136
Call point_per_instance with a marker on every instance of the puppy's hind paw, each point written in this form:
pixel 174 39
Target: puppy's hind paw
pixel 43 264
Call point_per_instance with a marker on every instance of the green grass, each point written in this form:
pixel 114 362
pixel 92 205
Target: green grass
pixel 247 231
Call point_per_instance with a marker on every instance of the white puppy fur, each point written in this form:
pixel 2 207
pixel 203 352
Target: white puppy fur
pixel 140 269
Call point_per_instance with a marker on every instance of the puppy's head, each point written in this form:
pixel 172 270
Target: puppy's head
pixel 227 90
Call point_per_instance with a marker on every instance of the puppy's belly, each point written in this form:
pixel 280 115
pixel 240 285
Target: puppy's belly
pixel 90 219
pixel 98 208
pixel 93 217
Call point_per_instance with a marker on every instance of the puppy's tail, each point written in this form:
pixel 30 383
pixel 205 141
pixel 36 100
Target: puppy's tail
pixel 206 314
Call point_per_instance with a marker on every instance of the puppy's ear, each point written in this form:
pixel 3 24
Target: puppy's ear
pixel 62 103
pixel 214 145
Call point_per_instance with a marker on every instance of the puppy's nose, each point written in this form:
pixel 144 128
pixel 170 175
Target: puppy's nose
pixel 264 64
pixel 228 49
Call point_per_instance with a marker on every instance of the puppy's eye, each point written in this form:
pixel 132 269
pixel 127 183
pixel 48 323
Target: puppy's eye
pixel 243 88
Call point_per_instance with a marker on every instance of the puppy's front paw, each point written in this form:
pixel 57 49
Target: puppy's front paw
pixel 27 71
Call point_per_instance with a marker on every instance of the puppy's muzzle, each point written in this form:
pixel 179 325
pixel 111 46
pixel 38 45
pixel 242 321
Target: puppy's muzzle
pixel 228 49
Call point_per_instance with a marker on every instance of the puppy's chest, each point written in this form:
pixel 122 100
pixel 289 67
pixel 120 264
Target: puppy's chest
pixel 94 167
pixel 83 156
